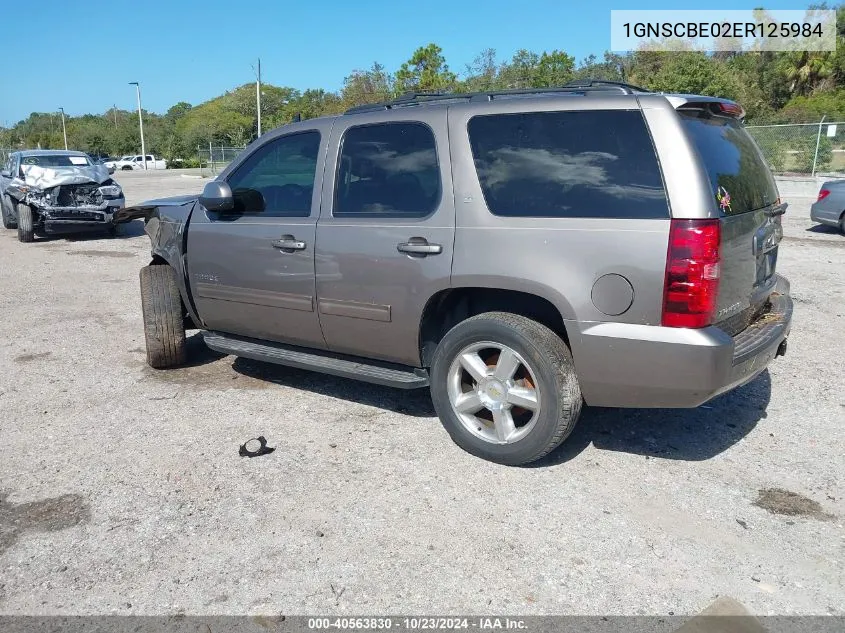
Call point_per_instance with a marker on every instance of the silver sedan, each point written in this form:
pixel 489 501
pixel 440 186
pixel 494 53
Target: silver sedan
pixel 830 207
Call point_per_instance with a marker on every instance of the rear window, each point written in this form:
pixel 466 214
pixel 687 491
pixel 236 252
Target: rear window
pixel 587 164
pixel 740 179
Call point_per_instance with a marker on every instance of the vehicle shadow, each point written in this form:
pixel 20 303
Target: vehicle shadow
pixel 416 403
pixel 126 230
pixel 824 229
pixel 683 434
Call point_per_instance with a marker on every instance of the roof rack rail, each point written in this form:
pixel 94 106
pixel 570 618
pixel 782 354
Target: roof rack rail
pixel 573 87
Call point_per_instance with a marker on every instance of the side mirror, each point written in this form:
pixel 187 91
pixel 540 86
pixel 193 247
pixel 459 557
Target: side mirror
pixel 6 173
pixel 111 169
pixel 217 196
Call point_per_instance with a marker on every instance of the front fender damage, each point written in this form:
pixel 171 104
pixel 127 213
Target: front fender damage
pixel 166 223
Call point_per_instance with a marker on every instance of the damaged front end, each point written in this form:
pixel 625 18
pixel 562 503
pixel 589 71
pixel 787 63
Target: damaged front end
pixel 69 199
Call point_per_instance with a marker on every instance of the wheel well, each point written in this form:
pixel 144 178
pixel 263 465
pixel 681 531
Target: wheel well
pixel 449 307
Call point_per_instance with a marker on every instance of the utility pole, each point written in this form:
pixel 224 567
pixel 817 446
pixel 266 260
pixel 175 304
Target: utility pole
pixel 258 96
pixel 114 111
pixel 140 123
pixel 64 130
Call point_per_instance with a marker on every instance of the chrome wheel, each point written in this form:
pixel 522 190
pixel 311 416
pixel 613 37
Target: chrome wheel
pixel 494 392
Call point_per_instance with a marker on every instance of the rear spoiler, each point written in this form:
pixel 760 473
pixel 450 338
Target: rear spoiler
pixel 716 105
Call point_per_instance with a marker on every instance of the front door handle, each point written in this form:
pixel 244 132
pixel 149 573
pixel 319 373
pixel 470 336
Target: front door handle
pixel 288 243
pixel 419 246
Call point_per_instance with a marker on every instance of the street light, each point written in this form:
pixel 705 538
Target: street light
pixel 140 123
pixel 64 130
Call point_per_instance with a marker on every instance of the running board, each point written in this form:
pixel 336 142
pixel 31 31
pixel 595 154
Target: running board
pixel 385 374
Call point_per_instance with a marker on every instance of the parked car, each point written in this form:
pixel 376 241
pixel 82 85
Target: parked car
pixel 104 160
pixel 53 191
pixel 137 162
pixel 829 209
pixel 520 253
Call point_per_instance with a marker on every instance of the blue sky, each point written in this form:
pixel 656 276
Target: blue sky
pixel 80 56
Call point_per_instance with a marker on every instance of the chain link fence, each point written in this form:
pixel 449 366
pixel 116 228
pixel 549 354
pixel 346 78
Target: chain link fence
pixel 803 148
pixel 216 157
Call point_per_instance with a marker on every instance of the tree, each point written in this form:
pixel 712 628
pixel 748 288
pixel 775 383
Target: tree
pixel 425 71
pixel 367 86
pixel 553 69
pixel 482 73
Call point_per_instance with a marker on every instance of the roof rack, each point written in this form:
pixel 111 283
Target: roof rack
pixel 578 86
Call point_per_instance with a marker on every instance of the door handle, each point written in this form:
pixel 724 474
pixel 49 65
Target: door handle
pixel 288 243
pixel 417 246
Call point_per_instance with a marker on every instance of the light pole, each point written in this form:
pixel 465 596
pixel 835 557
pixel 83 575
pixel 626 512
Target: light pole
pixel 64 130
pixel 140 123
pixel 258 95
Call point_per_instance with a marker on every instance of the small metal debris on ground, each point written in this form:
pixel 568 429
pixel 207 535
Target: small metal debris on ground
pixel 255 447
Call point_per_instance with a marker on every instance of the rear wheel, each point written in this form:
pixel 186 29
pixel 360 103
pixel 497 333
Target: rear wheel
pixel 26 222
pixel 164 327
pixel 505 388
pixel 126 168
pixel 842 223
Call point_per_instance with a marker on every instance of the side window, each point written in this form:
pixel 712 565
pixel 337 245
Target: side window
pixel 387 170
pixel 277 179
pixel 586 164
pixel 149 159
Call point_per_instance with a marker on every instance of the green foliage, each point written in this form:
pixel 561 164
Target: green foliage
pixel 804 109
pixel 806 147
pixel 425 71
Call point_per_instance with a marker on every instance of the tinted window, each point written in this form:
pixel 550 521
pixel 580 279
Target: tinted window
pixel 278 178
pixel 739 176
pixel 388 169
pixel 568 164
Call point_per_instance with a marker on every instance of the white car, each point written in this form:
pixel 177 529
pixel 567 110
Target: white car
pixel 137 162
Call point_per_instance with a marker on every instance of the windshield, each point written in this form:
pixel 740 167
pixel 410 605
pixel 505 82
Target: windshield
pixel 56 160
pixel 740 179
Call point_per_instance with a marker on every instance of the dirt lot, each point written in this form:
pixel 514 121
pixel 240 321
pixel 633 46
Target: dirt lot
pixel 121 488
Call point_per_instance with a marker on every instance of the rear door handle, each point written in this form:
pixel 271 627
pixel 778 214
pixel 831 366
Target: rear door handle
pixel 419 247
pixel 288 243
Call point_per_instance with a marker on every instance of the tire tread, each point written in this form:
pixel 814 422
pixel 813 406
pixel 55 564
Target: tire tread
pixel 161 305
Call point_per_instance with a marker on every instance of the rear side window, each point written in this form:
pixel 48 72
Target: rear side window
pixel 740 179
pixel 387 170
pixel 586 164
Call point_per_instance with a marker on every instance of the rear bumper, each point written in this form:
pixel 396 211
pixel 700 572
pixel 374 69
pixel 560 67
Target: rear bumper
pixel 825 213
pixel 627 365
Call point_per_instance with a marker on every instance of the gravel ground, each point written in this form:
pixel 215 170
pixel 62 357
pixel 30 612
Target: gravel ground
pixel 121 488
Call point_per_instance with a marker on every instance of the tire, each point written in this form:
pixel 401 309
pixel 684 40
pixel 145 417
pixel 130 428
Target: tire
pixel 26 229
pixel 543 367
pixel 842 223
pixel 164 328
pixel 126 168
pixel 5 209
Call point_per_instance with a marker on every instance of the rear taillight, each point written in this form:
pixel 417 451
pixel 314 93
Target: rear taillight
pixel 824 193
pixel 692 273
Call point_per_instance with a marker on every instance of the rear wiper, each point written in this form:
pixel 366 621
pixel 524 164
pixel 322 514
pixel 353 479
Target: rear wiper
pixel 778 209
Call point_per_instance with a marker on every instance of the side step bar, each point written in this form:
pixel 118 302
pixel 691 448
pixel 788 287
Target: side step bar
pixel 385 374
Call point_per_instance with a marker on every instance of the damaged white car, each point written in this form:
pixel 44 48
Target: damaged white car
pixel 53 191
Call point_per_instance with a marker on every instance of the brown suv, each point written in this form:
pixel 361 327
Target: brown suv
pixel 520 252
